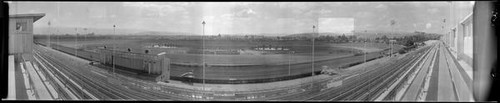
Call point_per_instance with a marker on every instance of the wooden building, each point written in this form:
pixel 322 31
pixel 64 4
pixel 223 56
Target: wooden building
pixel 21 34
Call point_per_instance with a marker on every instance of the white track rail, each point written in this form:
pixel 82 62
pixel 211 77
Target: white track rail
pixel 407 84
pixel 70 80
pixel 56 79
pixel 392 87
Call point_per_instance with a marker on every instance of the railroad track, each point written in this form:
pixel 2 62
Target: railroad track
pixel 102 90
pixel 382 82
pixel 385 82
pixel 65 80
pixel 90 84
pixel 62 89
pixel 99 86
pixel 83 85
pixel 391 95
pixel 354 90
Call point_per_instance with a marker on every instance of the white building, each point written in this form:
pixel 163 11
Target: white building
pixel 458 28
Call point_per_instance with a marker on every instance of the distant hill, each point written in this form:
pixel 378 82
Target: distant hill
pixel 72 31
pixel 101 31
pixel 161 33
pixel 319 34
pixel 380 34
pixel 372 34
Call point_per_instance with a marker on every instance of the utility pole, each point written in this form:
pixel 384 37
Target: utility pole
pixel 393 22
pixel 49 34
pixel 57 36
pixel 365 50
pixel 313 50
pixel 114 47
pixel 289 54
pixel 76 42
pixel 85 35
pixel 203 53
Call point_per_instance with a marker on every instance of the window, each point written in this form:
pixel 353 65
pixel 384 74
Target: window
pixel 21 26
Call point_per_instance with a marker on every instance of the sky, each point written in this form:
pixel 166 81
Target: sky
pixel 240 17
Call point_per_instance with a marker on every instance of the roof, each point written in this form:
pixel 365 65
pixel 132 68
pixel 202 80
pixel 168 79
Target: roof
pixel 131 54
pixel 35 16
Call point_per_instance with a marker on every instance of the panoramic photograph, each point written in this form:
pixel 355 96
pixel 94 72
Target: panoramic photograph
pixel 241 51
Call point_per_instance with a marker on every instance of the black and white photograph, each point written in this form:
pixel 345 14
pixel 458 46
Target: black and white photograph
pixel 395 51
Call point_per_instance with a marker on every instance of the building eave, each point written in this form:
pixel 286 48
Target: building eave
pixel 35 16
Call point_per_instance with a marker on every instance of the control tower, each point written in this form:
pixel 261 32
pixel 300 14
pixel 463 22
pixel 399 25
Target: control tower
pixel 21 34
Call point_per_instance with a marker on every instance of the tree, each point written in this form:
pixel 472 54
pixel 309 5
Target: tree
pixel 352 37
pixel 343 38
pixel 384 37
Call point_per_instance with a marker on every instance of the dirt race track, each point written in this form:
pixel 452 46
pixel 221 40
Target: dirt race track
pixel 263 66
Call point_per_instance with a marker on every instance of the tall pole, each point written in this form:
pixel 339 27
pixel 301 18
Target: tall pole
pixel 289 54
pixel 203 53
pixel 392 47
pixel 365 50
pixel 393 22
pixel 114 47
pixel 49 34
pixel 57 36
pixel 76 42
pixel 85 35
pixel 312 74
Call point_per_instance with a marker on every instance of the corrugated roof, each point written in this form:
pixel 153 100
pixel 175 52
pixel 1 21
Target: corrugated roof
pixel 35 16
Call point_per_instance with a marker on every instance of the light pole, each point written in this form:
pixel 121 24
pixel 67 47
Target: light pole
pixel 57 37
pixel 76 42
pixel 289 54
pixel 365 49
pixel 114 47
pixel 312 74
pixel 49 34
pixel 85 35
pixel 390 54
pixel 393 22
pixel 203 53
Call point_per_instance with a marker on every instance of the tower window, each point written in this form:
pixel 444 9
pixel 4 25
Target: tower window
pixel 21 26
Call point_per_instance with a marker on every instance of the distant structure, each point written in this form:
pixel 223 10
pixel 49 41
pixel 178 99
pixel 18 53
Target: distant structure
pixel 156 64
pixel 21 34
